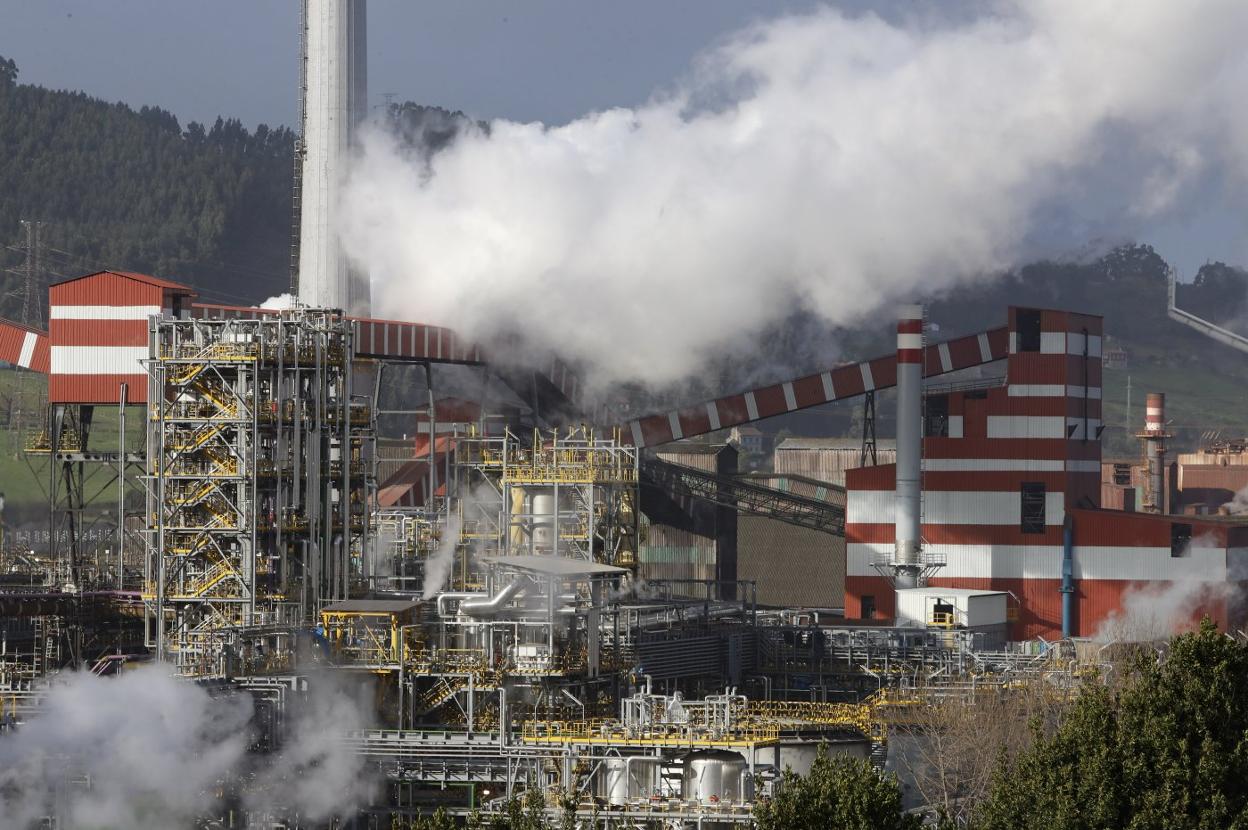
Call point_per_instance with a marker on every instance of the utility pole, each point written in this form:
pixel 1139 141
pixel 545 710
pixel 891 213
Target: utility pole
pixel 32 300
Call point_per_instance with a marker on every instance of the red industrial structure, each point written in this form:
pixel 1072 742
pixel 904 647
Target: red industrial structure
pixel 1011 489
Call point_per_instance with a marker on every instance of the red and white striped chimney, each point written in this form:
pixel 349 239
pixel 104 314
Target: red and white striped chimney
pixel 906 565
pixel 1155 438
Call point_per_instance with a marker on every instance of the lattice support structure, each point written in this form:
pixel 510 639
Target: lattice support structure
pixel 256 480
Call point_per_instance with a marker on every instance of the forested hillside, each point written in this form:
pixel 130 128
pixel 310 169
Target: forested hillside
pixel 133 189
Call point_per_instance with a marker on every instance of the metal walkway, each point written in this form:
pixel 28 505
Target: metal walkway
pixel 741 494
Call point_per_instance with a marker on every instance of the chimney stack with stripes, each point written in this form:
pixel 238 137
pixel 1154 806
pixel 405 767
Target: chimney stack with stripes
pixel 906 565
pixel 1154 437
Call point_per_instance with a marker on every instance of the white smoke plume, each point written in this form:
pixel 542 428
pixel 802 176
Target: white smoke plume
pixel 1238 504
pixel 281 302
pixel 145 749
pixel 1152 612
pixel 139 750
pixel 822 161
pixel 438 566
pixel 315 776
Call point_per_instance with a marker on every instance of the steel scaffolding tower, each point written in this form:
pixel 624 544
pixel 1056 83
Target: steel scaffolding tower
pixel 256 483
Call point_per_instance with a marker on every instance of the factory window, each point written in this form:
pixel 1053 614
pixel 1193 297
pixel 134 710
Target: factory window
pixel 936 416
pixel 868 607
pixel 1122 475
pixel 1180 538
pixel 1032 507
pixel 1027 326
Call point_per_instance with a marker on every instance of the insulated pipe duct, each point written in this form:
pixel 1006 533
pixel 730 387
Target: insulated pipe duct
pixel 486 607
pixel 906 564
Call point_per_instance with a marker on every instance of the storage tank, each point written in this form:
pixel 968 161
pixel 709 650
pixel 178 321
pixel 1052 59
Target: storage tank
pixel 716 776
pixel 542 510
pixel 625 780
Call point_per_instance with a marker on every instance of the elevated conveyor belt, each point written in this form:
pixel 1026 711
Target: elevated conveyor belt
pixel 837 384
pixel 732 491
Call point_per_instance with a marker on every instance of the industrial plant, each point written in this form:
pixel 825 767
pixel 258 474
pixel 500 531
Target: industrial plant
pixel 536 597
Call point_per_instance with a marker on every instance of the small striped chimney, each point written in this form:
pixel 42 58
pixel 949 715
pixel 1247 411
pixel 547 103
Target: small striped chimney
pixel 1154 437
pixel 906 563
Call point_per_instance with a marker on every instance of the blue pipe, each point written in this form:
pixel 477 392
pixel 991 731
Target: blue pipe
pixel 1068 577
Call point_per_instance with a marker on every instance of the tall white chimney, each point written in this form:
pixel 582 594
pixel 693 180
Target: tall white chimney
pixel 335 83
pixel 906 564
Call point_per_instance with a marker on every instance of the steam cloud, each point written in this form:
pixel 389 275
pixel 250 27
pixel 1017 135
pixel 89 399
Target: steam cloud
pixel 1157 611
pixel 148 750
pixel 822 161
pixel 438 566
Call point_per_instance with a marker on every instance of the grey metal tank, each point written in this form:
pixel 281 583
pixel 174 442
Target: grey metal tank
pixel 625 780
pixel 716 776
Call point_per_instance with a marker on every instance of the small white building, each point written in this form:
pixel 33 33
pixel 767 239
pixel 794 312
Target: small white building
pixel 963 608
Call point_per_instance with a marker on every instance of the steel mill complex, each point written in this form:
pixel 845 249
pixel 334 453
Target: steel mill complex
pixel 537 597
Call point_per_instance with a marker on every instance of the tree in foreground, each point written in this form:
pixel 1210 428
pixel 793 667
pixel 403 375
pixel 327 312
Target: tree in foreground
pixel 839 792
pixel 1169 750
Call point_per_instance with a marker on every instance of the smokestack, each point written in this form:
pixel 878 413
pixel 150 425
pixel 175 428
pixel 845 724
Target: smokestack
pixel 1154 437
pixel 335 102
pixel 906 561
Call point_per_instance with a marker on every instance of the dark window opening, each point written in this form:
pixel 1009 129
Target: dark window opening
pixel 976 395
pixel 936 417
pixel 1180 538
pixel 1033 507
pixel 1027 328
pixel 868 607
pixel 1122 475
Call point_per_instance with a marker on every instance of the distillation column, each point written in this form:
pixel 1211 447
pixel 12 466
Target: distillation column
pixel 906 563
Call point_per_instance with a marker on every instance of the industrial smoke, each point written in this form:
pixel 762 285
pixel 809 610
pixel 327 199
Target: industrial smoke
pixel 146 749
pixel 823 161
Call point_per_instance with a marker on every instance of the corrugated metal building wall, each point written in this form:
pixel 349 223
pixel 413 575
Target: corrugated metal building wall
pixel 24 347
pixel 826 459
pixel 98 332
pixel 984 449
pixel 792 565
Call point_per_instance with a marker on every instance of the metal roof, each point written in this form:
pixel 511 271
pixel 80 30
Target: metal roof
pixel 554 565
pixel 131 275
pixel 805 443
pixel 371 606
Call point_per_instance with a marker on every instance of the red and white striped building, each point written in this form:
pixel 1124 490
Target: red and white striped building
pixel 98 331
pixel 1004 469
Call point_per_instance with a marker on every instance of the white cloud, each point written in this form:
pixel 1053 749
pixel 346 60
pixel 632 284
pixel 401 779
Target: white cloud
pixel 830 162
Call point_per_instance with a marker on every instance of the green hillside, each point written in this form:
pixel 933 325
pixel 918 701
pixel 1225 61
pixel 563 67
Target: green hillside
pixel 132 189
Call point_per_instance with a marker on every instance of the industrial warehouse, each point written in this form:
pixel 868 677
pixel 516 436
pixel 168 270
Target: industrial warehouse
pixel 516 592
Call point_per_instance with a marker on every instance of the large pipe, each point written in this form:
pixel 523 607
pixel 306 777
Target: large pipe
pixel 334 103
pixel 1154 436
pixel 494 604
pixel 1068 578
pixel 908 530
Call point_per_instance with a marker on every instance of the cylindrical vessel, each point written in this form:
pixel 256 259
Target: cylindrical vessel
pixel 542 511
pixel 906 566
pixel 624 780
pixel 716 776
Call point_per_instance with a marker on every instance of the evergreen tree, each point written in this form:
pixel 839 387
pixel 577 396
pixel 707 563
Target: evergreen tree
pixel 1169 751
pixel 839 792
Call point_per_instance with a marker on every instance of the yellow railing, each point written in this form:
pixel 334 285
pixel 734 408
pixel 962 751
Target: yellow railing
pixel 612 732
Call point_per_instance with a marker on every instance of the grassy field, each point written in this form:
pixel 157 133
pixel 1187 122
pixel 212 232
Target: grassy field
pixel 1198 401
pixel 24 478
